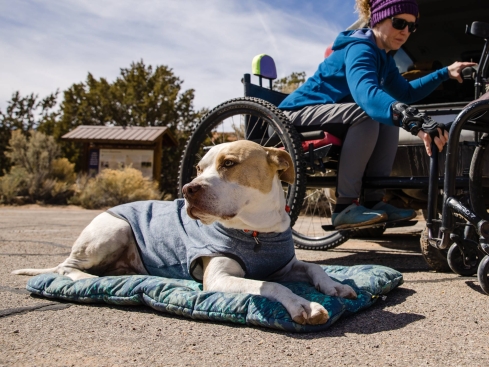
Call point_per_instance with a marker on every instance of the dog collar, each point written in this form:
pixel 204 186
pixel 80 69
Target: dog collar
pixel 255 234
pixel 255 237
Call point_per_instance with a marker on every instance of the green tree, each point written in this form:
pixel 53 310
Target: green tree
pixel 140 96
pixel 24 113
pixel 290 83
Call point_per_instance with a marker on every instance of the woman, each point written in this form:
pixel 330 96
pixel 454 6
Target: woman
pixel 358 91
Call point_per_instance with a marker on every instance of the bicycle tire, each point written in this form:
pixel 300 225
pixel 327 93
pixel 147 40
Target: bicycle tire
pixel 327 242
pixel 309 232
pixel 291 141
pixel 268 116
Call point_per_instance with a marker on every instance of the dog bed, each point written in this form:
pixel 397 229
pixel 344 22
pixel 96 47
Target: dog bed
pixel 186 298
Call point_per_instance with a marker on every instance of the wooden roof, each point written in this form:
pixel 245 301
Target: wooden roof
pixel 121 134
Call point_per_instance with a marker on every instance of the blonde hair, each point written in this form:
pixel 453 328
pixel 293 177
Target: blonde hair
pixel 362 7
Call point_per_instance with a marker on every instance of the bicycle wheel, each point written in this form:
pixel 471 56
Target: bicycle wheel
pixel 313 229
pixel 257 120
pixel 252 119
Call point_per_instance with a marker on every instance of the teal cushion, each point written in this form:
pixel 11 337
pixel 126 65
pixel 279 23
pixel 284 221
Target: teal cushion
pixel 186 298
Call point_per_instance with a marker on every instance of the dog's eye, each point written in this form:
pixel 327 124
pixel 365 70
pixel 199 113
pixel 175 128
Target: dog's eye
pixel 199 170
pixel 228 163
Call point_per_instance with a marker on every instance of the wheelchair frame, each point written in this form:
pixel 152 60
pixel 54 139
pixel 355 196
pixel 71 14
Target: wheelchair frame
pixel 469 249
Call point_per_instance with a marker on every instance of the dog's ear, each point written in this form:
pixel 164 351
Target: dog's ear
pixel 283 162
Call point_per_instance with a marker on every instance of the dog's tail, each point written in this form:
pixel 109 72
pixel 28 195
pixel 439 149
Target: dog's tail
pixel 35 271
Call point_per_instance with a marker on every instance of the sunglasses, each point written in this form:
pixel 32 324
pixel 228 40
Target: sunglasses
pixel 400 24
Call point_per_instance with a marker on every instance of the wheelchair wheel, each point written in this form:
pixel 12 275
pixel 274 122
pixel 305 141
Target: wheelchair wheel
pixel 313 228
pixel 452 259
pixel 483 274
pixel 257 120
pixel 478 193
pixel 252 119
pixel 465 262
pixel 436 259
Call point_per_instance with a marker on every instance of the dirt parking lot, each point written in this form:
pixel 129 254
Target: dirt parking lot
pixel 434 319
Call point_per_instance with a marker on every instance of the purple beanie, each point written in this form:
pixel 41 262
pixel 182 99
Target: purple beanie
pixel 382 9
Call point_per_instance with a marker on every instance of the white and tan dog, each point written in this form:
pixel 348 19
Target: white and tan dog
pixel 238 196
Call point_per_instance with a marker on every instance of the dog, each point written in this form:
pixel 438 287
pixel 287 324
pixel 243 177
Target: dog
pixel 231 232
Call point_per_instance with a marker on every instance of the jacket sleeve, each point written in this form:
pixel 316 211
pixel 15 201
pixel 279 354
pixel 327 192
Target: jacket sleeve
pixel 364 66
pixel 411 92
pixel 362 63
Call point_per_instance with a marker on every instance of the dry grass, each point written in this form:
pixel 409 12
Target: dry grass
pixel 114 187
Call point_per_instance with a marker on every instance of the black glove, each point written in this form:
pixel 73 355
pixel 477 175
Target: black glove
pixel 410 119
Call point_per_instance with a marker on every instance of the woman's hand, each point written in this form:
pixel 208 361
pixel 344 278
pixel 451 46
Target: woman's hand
pixel 440 140
pixel 456 68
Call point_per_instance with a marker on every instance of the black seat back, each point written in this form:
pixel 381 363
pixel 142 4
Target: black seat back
pixel 269 95
pixel 258 131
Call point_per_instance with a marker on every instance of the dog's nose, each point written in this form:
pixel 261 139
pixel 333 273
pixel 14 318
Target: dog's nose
pixel 190 189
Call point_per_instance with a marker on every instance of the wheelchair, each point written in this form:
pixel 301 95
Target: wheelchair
pixel 457 232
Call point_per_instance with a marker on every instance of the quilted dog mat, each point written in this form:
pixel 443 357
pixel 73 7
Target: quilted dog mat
pixel 186 297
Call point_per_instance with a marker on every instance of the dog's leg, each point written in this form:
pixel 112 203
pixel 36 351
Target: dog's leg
pixel 98 248
pixel 300 271
pixel 222 274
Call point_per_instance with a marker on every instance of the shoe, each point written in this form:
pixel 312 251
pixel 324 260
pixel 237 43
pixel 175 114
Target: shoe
pixel 395 214
pixel 357 216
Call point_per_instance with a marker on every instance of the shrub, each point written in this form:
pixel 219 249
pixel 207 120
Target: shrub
pixel 13 184
pixel 37 173
pixel 63 170
pixel 114 187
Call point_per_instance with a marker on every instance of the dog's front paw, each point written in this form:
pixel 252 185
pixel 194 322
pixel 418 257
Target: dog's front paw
pixel 319 315
pixel 345 291
pixel 311 313
pixel 337 290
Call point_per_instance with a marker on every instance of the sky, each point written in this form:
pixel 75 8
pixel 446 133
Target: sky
pixel 48 45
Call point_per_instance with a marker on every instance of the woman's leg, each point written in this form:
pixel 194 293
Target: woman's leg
pixel 382 159
pixel 369 147
pixel 380 165
pixel 333 118
pixel 358 145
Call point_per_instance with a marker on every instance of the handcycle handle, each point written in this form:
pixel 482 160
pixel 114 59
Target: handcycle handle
pixel 432 191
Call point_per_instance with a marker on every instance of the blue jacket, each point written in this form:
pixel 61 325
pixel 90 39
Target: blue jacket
pixel 358 71
pixel 170 243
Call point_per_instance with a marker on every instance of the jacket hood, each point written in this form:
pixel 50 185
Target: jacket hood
pixel 358 35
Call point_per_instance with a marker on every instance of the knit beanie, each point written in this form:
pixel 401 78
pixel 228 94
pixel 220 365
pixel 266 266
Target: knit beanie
pixel 382 9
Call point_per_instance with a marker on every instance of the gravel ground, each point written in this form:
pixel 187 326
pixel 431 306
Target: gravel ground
pixel 434 319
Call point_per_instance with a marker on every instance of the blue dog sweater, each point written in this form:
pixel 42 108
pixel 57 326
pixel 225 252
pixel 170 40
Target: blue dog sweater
pixel 170 242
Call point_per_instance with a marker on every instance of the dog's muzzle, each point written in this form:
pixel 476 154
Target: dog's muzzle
pixel 190 190
pixel 203 205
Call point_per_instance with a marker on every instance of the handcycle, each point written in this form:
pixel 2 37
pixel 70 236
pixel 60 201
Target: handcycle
pixel 457 241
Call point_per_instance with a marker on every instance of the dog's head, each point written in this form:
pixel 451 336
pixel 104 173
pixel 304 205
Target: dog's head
pixel 238 184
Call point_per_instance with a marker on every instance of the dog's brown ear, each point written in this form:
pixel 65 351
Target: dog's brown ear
pixel 282 160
